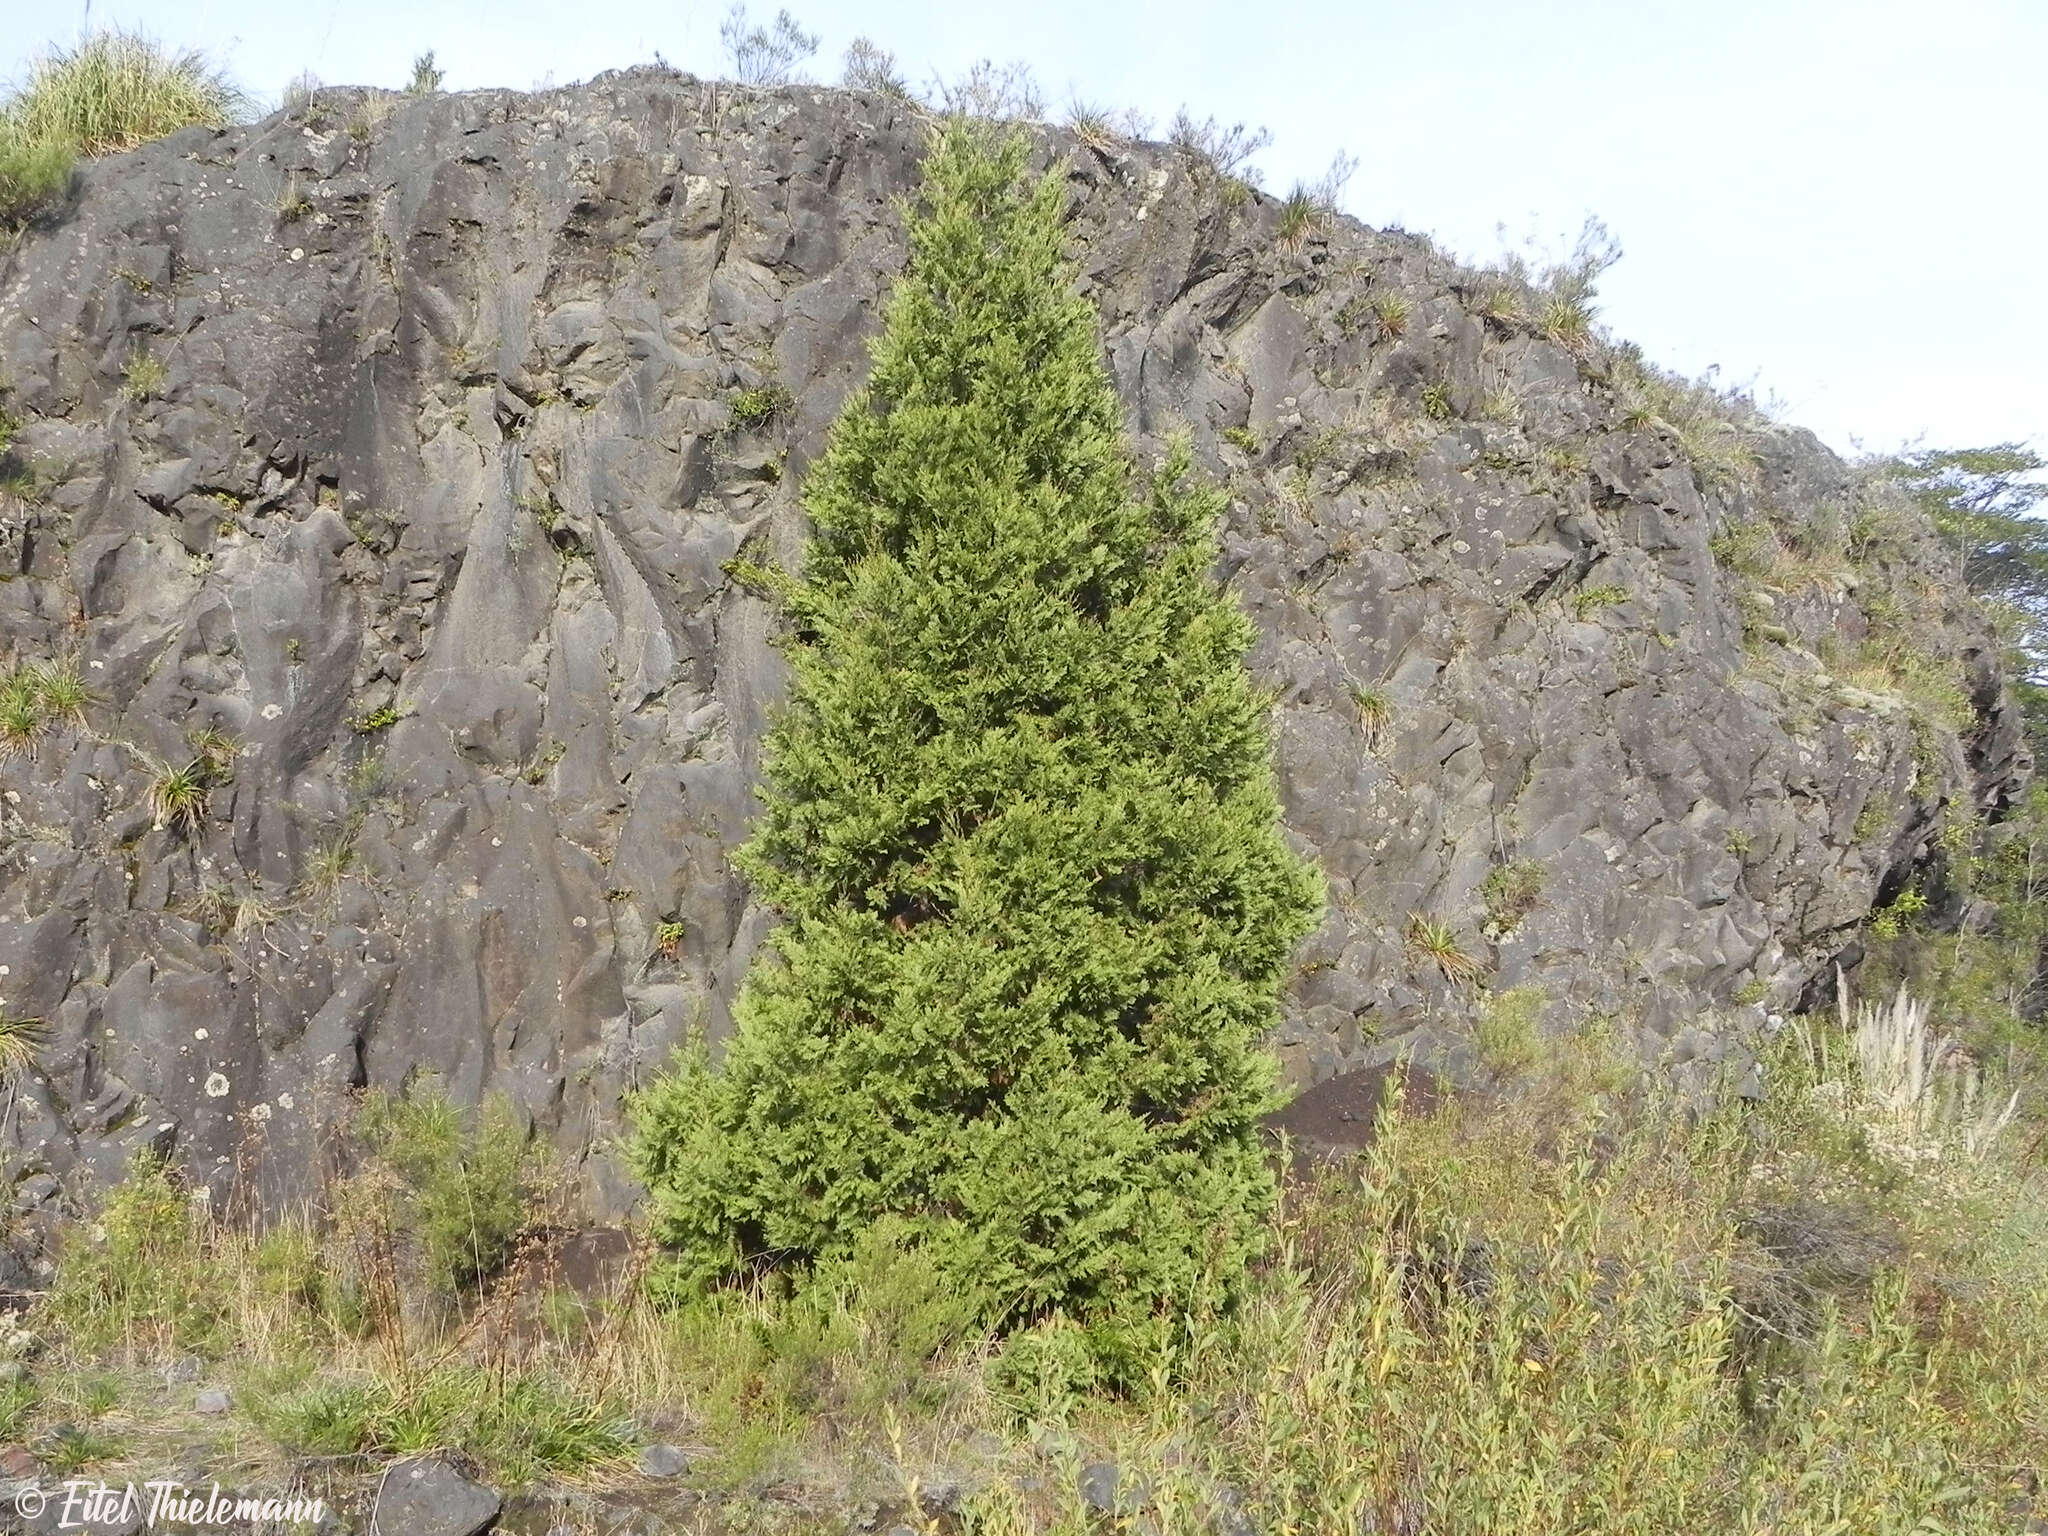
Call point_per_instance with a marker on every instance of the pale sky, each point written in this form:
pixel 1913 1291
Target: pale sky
pixel 1839 201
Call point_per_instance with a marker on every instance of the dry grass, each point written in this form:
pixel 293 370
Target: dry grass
pixel 1582 1308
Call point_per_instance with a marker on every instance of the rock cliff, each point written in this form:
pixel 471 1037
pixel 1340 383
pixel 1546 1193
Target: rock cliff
pixel 404 446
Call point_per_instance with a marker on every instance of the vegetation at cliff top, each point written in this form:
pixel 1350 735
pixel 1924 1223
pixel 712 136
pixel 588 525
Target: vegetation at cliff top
pixel 1021 823
pixel 113 91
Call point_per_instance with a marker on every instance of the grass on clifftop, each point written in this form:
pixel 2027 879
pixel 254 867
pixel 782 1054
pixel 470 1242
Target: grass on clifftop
pixel 1574 1309
pixel 114 91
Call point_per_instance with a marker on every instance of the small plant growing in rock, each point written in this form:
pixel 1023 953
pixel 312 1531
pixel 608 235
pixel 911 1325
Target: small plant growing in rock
pixel 215 751
pixel 1752 991
pixel 330 864
pixel 1501 307
pixel 381 718
pixel 1511 893
pixel 1242 438
pixel 755 409
pixel 668 940
pixel 1588 601
pixel 1436 402
pixel 1375 705
pixel 426 76
pixel 20 1039
pixel 1390 314
pixel 144 376
pixel 177 797
pixel 1431 941
pixel 1297 219
pixel 1568 322
pixel 22 725
pixel 1093 126
pixel 292 202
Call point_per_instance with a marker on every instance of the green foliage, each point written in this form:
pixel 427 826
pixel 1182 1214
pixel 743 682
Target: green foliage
pixel 1436 402
pixel 144 376
pixel 1297 219
pixel 141 1280
pixel 753 409
pixel 462 1187
pixel 1511 893
pixel 1509 1035
pixel 1431 941
pixel 1588 601
pixel 426 76
pixel 178 797
pixel 381 718
pixel 1242 438
pixel 1020 821
pixel 1390 312
pixel 112 92
pixel 668 939
pixel 37 698
pixel 518 1426
pixel 34 173
pixel 1983 501
pixel 20 1039
pixel 1889 920
pixel 1375 705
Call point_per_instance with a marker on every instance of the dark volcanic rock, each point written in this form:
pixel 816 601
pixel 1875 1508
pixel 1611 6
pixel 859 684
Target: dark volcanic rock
pixel 433 513
pixel 430 1498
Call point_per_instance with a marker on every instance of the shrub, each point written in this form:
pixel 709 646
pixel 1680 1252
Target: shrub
pixel 753 409
pixel 870 67
pixel 1225 150
pixel 426 76
pixel 1020 822
pixel 463 1187
pixel 769 55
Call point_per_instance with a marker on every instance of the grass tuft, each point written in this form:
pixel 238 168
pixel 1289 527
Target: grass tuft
pixel 1431 941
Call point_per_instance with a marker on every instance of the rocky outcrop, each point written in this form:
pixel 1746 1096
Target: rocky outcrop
pixel 463 411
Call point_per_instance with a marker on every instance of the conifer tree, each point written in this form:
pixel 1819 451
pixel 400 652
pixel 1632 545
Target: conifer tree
pixel 1019 821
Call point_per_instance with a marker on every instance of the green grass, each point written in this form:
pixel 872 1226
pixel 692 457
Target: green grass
pixel 35 701
pixel 178 797
pixel 1511 893
pixel 114 91
pixel 1431 941
pixel 1508 1035
pixel 754 409
pixel 1375 705
pixel 1242 438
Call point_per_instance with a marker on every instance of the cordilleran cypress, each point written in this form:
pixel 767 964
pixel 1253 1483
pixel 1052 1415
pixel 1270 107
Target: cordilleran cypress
pixel 1019 821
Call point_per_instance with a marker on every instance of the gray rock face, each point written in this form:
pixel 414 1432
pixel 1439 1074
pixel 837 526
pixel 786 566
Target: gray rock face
pixel 430 1498
pixel 431 514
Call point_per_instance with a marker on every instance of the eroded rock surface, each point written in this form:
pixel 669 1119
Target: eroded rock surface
pixel 430 511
